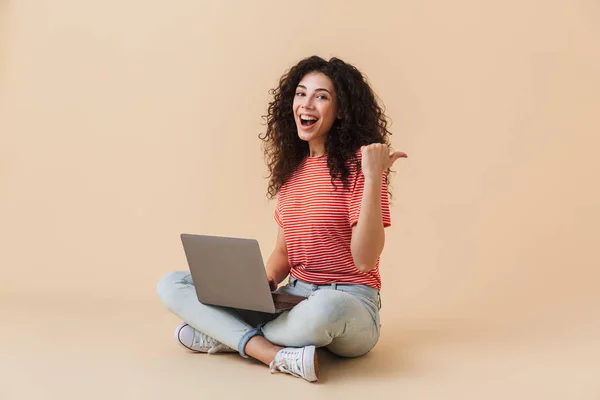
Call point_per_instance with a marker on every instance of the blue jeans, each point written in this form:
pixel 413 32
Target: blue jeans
pixel 344 318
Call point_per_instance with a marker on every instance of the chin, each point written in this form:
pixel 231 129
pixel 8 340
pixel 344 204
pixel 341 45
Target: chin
pixel 307 136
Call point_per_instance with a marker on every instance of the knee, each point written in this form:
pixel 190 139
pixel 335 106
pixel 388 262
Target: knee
pixel 168 284
pixel 358 349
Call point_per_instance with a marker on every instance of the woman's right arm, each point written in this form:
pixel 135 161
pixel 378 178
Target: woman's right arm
pixel 278 266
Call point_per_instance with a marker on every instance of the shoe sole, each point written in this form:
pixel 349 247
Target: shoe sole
pixel 310 364
pixel 178 339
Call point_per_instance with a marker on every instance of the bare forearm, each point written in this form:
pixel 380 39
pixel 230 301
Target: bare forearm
pixel 368 236
pixel 278 266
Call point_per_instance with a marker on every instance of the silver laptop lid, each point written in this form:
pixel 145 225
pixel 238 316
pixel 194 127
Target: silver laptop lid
pixel 228 272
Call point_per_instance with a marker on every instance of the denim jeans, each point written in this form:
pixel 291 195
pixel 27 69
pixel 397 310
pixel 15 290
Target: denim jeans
pixel 342 317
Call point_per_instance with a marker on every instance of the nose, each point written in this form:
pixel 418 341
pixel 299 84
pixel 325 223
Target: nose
pixel 308 103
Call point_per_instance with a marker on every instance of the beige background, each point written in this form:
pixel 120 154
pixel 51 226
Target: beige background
pixel 125 123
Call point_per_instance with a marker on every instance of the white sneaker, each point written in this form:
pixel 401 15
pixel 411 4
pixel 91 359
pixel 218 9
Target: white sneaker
pixel 194 340
pixel 301 362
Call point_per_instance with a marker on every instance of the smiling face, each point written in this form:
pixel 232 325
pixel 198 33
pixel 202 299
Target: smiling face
pixel 315 110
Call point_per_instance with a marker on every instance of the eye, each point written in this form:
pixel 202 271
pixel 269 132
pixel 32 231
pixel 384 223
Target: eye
pixel 322 97
pixel 300 94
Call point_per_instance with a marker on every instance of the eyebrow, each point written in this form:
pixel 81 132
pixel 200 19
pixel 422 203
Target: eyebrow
pixel 304 87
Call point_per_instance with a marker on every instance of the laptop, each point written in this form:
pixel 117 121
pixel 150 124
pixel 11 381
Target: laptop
pixel 230 272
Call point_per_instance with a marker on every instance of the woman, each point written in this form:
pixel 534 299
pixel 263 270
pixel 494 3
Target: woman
pixel 327 149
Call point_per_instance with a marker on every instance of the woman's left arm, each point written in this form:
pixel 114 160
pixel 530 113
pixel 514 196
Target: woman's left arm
pixel 368 236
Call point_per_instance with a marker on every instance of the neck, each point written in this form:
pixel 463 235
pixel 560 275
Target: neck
pixel 316 149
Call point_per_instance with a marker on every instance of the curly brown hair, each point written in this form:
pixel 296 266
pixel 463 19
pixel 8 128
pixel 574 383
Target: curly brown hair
pixel 362 122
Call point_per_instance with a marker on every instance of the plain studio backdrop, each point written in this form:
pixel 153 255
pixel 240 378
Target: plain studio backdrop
pixel 125 123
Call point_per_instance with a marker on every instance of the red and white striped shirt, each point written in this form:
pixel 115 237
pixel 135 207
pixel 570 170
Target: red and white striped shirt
pixel 317 224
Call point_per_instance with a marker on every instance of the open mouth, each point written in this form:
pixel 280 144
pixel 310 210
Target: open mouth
pixel 308 120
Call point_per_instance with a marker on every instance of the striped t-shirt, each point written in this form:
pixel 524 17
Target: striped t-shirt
pixel 317 224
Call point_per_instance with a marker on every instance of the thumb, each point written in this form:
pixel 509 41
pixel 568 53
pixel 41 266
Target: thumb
pixel 397 155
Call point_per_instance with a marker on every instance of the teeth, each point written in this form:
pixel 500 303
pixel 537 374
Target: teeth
pixel 307 118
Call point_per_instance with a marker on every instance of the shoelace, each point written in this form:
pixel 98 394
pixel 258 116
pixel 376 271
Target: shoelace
pixel 288 361
pixel 206 342
pixel 219 347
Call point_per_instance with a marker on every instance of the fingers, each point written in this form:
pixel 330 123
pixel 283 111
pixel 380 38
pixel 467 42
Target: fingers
pixel 382 149
pixel 379 153
pixel 272 283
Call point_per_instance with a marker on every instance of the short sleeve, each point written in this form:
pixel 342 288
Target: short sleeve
pixel 277 214
pixel 356 201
